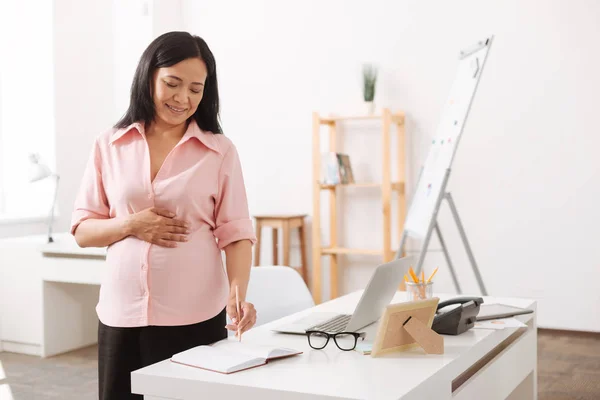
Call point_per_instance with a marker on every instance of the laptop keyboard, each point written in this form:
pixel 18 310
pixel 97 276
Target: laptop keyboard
pixel 334 325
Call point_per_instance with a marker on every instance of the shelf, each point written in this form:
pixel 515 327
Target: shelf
pixel 398 186
pixel 392 179
pixel 343 250
pixel 396 118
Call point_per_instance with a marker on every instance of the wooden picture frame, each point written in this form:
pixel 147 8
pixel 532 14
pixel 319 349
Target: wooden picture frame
pixel 408 325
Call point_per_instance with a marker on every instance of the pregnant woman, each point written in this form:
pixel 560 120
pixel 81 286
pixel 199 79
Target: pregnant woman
pixel 164 191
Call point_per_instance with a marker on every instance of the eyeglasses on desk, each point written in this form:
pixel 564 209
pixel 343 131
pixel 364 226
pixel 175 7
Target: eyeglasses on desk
pixel 345 341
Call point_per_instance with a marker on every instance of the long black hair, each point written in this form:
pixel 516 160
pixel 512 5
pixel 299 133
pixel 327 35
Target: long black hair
pixel 165 51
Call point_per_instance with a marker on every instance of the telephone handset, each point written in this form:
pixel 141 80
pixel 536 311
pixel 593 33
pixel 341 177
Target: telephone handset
pixel 459 319
pixel 459 300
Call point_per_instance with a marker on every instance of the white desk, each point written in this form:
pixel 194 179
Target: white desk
pixel 479 364
pixel 71 278
pixel 48 294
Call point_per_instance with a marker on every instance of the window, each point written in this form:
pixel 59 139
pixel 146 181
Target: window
pixel 26 106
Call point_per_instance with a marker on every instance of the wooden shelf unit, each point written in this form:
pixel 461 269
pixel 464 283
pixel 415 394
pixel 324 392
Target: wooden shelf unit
pixel 387 119
pixel 344 250
pixel 399 186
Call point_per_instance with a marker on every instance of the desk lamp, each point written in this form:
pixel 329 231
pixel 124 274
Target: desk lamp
pixel 38 172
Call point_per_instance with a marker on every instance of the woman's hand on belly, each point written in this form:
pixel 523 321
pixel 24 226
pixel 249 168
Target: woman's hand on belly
pixel 158 226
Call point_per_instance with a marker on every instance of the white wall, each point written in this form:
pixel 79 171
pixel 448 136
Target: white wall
pixel 26 95
pixel 525 175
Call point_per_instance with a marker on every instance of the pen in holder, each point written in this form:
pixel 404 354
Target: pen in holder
pixel 419 291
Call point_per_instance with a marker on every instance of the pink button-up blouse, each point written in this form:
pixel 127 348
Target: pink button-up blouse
pixel 201 182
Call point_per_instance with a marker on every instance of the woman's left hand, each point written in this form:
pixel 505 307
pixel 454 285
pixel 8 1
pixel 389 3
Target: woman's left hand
pixel 247 319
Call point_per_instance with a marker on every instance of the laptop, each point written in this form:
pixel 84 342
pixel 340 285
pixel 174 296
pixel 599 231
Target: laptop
pixel 378 293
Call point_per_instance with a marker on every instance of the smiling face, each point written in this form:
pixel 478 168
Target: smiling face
pixel 177 91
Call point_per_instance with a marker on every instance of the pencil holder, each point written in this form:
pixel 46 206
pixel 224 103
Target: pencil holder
pixel 419 291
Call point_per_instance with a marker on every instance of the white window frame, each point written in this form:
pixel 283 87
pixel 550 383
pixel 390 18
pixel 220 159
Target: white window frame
pixel 42 16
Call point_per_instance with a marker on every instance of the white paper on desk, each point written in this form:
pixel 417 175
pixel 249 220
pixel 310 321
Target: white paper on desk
pixel 364 348
pixel 499 324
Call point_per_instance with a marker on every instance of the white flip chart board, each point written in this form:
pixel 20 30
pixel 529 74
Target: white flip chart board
pixel 431 186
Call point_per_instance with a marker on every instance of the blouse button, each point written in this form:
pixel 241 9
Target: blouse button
pixel 150 196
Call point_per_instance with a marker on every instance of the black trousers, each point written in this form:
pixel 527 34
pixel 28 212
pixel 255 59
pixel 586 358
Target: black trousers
pixel 122 350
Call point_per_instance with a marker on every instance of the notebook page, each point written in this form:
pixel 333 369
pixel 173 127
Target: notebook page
pixel 253 349
pixel 220 360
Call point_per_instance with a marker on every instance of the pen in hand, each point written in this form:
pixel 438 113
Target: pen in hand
pixel 239 317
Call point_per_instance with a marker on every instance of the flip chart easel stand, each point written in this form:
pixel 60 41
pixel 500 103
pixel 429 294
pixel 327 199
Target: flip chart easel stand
pixel 422 218
pixel 435 226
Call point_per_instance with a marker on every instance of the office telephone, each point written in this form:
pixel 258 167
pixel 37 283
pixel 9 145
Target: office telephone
pixel 454 321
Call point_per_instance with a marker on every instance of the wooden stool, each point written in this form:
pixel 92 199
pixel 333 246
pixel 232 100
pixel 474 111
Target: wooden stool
pixel 284 222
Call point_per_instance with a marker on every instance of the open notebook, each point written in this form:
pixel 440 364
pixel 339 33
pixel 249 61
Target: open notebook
pixel 228 356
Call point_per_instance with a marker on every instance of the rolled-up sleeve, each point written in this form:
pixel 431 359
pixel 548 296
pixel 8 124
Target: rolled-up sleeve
pixel 91 201
pixel 232 217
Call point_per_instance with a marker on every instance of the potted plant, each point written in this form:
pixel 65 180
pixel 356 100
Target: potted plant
pixel 369 82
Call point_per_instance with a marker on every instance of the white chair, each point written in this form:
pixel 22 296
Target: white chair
pixel 276 292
